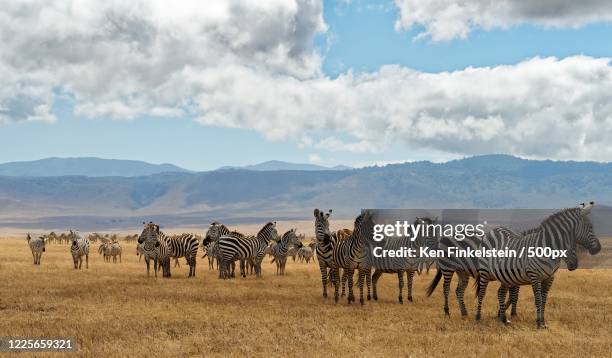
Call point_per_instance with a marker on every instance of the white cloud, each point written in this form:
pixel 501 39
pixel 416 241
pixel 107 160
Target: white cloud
pixel 251 65
pixel 444 20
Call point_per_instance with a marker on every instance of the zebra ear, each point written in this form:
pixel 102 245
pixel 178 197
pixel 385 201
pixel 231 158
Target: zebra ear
pixel 316 213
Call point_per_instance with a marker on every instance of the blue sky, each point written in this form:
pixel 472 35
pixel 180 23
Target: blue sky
pixel 360 38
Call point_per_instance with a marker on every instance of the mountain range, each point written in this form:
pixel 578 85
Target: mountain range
pixel 180 197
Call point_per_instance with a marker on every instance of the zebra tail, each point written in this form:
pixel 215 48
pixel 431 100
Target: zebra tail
pixel 434 282
pixel 476 286
pixel 274 258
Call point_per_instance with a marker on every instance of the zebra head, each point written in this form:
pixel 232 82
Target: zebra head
pixel 268 232
pixel 215 231
pixel 290 238
pixel 73 237
pixel 28 237
pixel 149 234
pixel 44 240
pixel 585 235
pixel 321 223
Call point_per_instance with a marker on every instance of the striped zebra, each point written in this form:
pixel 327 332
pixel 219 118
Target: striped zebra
pixel 234 246
pixel 463 267
pixel 78 249
pixel 115 250
pixel 183 245
pixel 395 265
pixel 560 231
pixel 326 240
pixel 105 250
pixel 37 246
pixel 152 246
pixel 281 249
pixel 347 254
pixel 211 243
pixel 306 253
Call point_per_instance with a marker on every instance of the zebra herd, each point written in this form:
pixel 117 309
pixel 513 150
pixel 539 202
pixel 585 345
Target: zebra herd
pixel 353 250
pixel 342 252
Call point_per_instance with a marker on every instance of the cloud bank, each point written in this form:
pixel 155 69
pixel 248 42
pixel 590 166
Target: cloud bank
pixel 444 20
pixel 252 65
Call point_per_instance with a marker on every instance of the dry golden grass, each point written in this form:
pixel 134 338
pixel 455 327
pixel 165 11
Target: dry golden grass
pixel 114 310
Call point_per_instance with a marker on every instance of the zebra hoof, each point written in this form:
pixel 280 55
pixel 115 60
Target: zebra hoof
pixel 361 301
pixel 478 317
pixel 513 313
pixel 446 312
pixel 369 298
pixel 410 299
pixel 401 300
pixel 375 297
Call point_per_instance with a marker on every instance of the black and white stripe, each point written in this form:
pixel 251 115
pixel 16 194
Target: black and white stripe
pixel 79 247
pixel 183 245
pixel 234 246
pixel 280 250
pixel 326 240
pixel 37 246
pixel 152 246
pixel 560 231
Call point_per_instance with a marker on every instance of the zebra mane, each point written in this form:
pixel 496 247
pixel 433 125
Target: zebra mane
pixel 234 232
pixel 265 228
pixel 556 216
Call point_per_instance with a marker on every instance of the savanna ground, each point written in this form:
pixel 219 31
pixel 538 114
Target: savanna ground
pixel 115 310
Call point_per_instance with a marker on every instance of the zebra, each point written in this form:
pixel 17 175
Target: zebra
pixel 560 231
pixel 105 250
pixel 78 249
pixel 347 254
pixel 152 246
pixel 183 245
pixel 37 246
pixel 115 250
pixel 397 265
pixel 326 240
pixel 463 267
pixel 281 249
pixel 211 243
pixel 234 246
pixel 306 253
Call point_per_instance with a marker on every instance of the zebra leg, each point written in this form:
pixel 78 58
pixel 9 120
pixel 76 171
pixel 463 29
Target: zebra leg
pixel 545 289
pixel 537 295
pixel 448 275
pixel 375 277
pixel 344 278
pixel 501 298
pixel 323 269
pixel 410 275
pixel 361 276
pixel 460 292
pixel 400 280
pixel 483 281
pixel 87 261
pixel 147 262
pixel 336 278
pixel 155 266
pixel 351 297
pixel 243 268
pixel 513 299
pixel 34 257
pixel 369 281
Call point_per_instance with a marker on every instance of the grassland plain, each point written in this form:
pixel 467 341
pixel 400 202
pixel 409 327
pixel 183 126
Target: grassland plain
pixel 115 310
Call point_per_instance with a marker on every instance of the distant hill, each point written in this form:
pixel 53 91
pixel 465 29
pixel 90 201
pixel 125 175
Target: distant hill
pixel 492 181
pixel 86 166
pixel 280 165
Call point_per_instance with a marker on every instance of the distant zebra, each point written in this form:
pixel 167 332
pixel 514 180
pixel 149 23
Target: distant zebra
pixel 78 249
pixel 115 250
pixel 152 245
pixel 347 254
pixel 326 240
pixel 560 231
pixel 234 246
pixel 396 265
pixel 105 250
pixel 37 246
pixel 306 253
pixel 280 250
